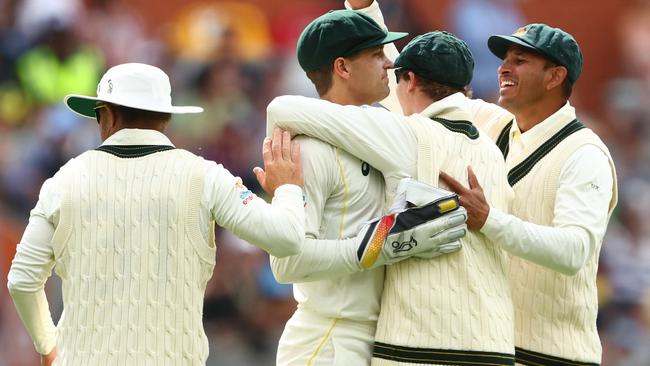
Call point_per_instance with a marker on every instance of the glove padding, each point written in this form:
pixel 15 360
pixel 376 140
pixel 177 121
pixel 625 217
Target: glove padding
pixel 425 231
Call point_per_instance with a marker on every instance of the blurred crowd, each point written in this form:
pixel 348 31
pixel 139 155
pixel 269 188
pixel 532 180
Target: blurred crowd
pixel 232 58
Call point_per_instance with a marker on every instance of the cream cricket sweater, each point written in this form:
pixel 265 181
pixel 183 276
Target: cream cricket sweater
pixel 458 304
pixel 149 211
pixel 555 314
pixel 133 261
pixel 560 214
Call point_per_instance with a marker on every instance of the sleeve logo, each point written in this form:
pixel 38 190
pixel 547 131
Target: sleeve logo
pixel 245 194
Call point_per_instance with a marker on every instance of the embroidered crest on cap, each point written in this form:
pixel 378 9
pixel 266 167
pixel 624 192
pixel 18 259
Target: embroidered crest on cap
pixel 520 32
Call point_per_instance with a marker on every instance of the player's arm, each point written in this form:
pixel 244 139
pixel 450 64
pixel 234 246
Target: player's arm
pixel 425 231
pixel 277 228
pixel 580 216
pixel 317 260
pixel 371 8
pixel 489 117
pixel 30 269
pixel 381 138
pixel 325 259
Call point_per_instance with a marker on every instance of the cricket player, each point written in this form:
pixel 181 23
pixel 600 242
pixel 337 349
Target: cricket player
pixel 334 324
pixel 564 181
pixel 129 228
pixel 455 309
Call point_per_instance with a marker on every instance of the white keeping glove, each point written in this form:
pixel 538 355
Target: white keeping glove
pixel 425 231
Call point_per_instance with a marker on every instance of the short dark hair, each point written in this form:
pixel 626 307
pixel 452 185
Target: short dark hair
pixel 322 78
pixel 132 116
pixel 432 89
pixel 567 85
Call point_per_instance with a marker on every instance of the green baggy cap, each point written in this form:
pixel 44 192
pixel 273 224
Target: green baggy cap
pixel 339 33
pixel 440 57
pixel 553 43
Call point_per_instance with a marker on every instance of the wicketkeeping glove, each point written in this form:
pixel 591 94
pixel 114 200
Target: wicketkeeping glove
pixel 425 231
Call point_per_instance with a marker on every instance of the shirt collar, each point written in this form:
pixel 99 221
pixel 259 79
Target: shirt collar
pixel 451 102
pixel 555 121
pixel 135 136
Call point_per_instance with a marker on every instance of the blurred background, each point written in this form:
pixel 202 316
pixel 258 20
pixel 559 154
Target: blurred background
pixel 232 58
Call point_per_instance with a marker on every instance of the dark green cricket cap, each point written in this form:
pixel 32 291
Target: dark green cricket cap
pixel 440 57
pixel 553 43
pixel 339 33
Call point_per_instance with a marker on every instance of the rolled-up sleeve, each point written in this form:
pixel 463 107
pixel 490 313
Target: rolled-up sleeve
pixel 381 138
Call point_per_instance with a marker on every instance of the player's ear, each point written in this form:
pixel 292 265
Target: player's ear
pixel 112 119
pixel 111 114
pixel 341 68
pixel 556 76
pixel 412 81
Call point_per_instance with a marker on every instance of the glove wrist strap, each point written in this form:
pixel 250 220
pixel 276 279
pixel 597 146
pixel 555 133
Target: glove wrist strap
pixel 374 240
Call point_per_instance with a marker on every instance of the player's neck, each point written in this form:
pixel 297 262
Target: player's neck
pixel 533 115
pixel 418 102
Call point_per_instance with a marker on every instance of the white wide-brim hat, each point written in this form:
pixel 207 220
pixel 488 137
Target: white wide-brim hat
pixel 134 85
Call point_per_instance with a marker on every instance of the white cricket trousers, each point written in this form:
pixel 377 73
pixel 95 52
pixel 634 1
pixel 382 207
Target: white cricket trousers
pixel 310 339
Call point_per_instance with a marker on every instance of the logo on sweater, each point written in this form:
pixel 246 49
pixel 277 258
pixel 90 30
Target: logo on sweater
pixel 595 187
pixel 245 194
pixel 365 169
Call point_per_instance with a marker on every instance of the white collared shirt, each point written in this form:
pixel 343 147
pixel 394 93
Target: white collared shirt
pixel 519 141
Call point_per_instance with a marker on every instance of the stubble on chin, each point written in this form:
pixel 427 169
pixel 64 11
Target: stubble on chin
pixel 506 104
pixel 385 91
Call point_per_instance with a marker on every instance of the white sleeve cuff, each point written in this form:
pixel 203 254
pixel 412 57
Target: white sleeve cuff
pixel 493 223
pixel 289 191
pixel 34 311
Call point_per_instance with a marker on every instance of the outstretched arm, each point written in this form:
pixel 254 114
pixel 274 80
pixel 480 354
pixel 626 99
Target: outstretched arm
pixel 425 231
pixel 277 228
pixel 489 117
pixel 381 138
pixel 580 216
pixel 322 259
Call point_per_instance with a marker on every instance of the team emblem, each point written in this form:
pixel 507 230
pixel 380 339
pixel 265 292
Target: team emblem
pixel 245 194
pixel 520 32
